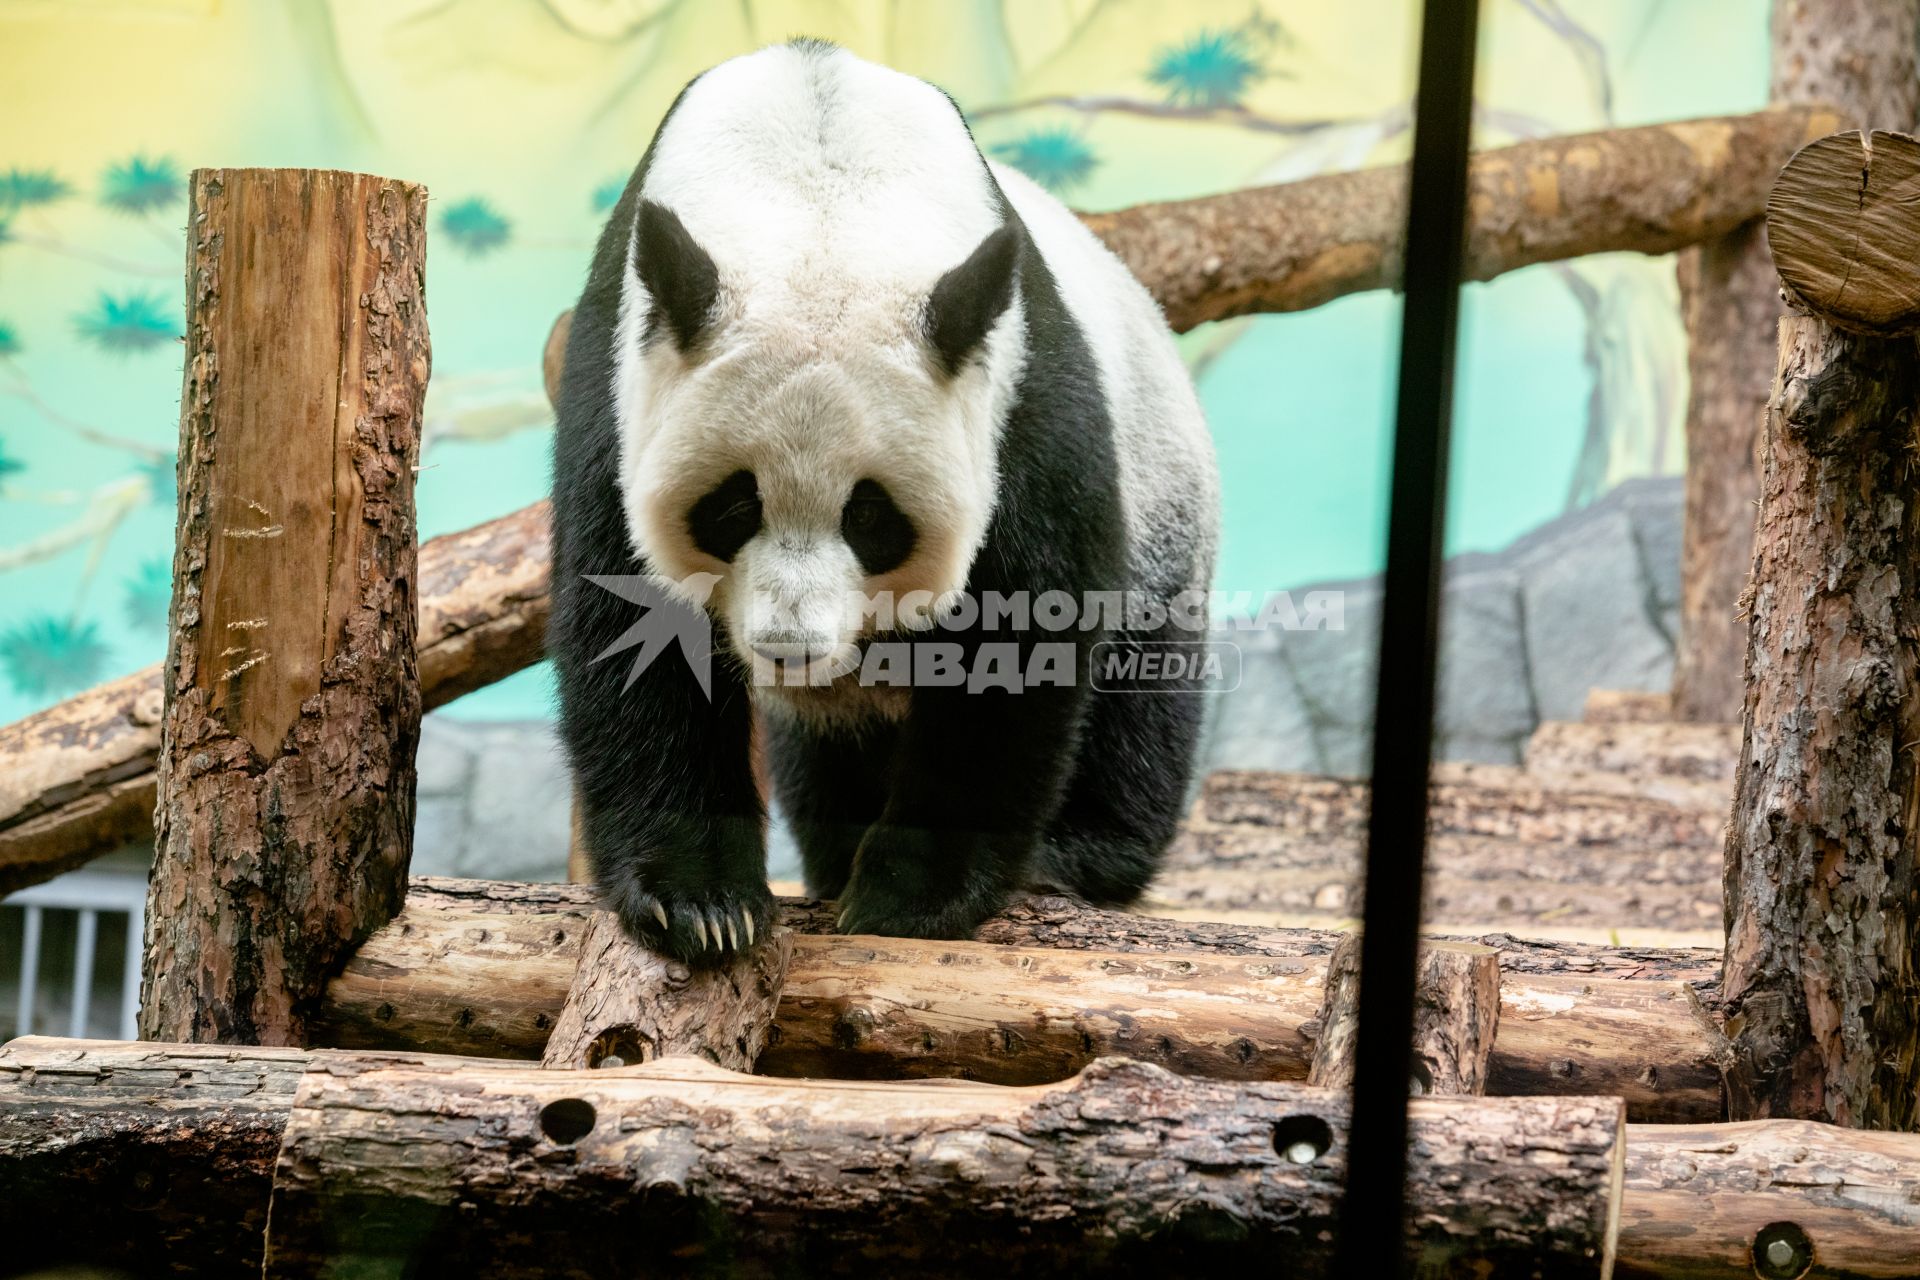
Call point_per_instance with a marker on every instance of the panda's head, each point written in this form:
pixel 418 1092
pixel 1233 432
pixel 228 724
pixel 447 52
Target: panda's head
pixel 817 439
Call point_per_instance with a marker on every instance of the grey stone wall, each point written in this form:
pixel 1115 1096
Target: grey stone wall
pixel 1589 600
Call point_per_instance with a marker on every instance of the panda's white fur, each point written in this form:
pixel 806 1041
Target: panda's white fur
pixel 832 194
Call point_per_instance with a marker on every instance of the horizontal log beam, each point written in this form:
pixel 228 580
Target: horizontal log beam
pixel 484 968
pixel 1673 750
pixel 114 1150
pixel 1651 189
pixel 77 780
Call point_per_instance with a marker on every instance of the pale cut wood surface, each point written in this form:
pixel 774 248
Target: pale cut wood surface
pixel 1823 854
pixel 1844 228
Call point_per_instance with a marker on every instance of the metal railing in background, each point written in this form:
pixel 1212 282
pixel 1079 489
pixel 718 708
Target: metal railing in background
pixel 1409 643
pixel 90 894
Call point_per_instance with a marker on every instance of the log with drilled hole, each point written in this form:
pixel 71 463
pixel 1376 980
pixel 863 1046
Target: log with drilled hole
pixel 1125 1169
pixel 628 1005
pixel 1455 1014
pixel 158 1159
pixel 484 967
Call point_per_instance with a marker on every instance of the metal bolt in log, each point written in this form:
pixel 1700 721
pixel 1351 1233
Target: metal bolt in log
pixel 286 779
pixel 1822 888
pixel 1456 1009
pixel 628 1005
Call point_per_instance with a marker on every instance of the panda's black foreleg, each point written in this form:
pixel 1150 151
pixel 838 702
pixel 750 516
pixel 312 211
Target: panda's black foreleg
pixel 672 821
pixel 832 786
pixel 978 776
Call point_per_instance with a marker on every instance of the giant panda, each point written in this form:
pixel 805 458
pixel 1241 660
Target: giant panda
pixel 826 350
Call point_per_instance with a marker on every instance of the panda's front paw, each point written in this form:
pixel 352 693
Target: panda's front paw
pixel 912 883
pixel 698 924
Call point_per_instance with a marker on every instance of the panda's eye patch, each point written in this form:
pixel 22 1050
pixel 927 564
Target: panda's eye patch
pixel 723 520
pixel 877 530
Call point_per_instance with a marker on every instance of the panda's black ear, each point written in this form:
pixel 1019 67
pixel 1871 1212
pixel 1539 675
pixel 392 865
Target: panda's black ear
pixel 969 298
pixel 679 275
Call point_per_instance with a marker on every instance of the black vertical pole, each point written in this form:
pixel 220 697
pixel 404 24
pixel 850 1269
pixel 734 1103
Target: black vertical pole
pixel 1371 1241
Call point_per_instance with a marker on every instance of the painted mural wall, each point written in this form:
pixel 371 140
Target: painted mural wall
pixel 524 116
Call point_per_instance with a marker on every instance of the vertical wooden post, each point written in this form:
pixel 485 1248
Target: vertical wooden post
pixel 1859 56
pixel 286 780
pixel 1456 1013
pixel 1822 979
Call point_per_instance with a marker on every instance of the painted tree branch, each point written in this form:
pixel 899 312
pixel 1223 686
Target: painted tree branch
pixel 484 967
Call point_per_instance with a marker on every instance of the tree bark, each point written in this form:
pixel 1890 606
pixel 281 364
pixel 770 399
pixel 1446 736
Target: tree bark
pixel 77 779
pixel 1693 752
pixel 1127 1169
pixel 1765 1199
pixel 158 1159
pixel 1651 189
pixel 152 1159
pixel 292 697
pixel 628 1005
pixel 1858 56
pixel 1456 1011
pixel 481 967
pixel 1822 893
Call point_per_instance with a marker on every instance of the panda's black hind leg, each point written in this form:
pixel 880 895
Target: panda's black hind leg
pixel 1127 794
pixel 831 785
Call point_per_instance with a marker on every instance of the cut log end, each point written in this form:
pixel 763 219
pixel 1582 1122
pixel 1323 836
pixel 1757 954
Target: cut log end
pixel 1844 227
pixel 1456 1012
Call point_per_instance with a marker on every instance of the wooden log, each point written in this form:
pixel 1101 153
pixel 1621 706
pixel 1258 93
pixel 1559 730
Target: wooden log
pixel 1844 237
pixel 628 1005
pixel 1626 706
pixel 285 781
pixel 1857 56
pixel 1693 752
pixel 90 1131
pixel 1483 800
pixel 77 779
pixel 1126 1169
pixel 1456 1011
pixel 1823 886
pixel 484 967
pixel 144 1159
pixel 1777 1199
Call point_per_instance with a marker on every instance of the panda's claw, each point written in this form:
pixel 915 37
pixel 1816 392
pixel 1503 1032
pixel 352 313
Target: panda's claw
pixel 700 929
pixel 733 935
pixel 660 914
pixel 746 922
